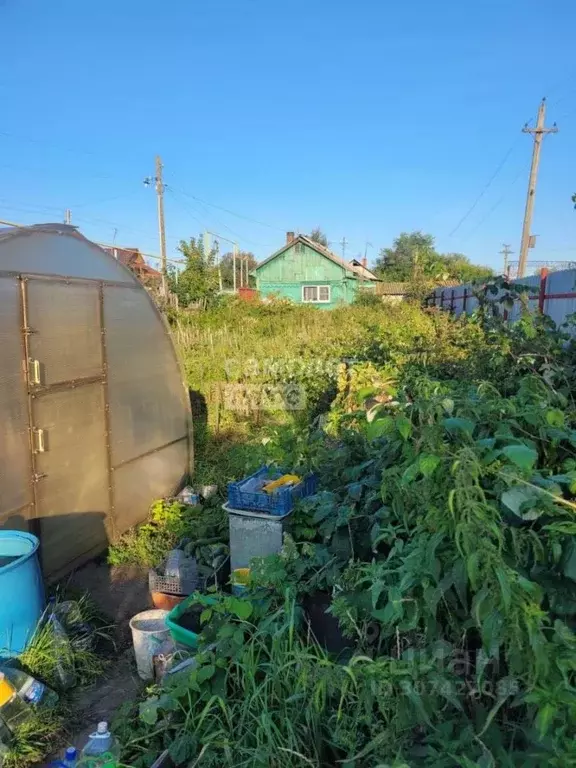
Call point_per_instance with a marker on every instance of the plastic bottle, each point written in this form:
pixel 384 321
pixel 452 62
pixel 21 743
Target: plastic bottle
pixel 64 661
pixel 70 759
pixel 5 737
pixel 102 748
pixel 174 562
pixel 80 632
pixel 29 689
pixel 13 710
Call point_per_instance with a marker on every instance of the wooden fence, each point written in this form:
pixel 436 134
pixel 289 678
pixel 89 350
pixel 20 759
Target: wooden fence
pixel 552 293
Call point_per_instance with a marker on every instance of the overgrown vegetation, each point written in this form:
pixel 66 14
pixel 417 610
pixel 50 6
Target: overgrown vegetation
pixel 44 659
pixel 170 523
pixel 442 540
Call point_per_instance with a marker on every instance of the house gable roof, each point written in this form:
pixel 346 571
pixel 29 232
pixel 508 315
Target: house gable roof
pixel 363 272
pixel 316 247
pixel 354 267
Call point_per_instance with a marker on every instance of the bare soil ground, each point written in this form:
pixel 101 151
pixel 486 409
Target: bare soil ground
pixel 120 592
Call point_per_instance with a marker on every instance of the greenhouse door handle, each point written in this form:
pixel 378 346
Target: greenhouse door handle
pixel 34 371
pixel 39 440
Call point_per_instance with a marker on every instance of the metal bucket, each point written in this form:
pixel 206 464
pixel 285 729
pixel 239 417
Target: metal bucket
pixel 149 631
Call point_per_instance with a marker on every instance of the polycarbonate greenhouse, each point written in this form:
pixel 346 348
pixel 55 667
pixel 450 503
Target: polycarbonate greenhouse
pixel 95 419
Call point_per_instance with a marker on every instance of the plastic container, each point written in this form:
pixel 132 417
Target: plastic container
pixel 149 631
pixel 22 591
pixel 182 635
pixel 189 496
pixel 64 666
pixel 5 738
pixel 253 534
pixel 179 576
pixel 101 749
pixel 247 494
pixel 30 690
pixel 208 491
pixel 70 759
pixel 80 632
pixel 13 710
pixel 239 580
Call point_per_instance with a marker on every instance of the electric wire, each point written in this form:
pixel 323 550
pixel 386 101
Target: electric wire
pixel 486 187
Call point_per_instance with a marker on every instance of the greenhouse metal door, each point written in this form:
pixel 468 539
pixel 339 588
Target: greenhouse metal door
pixel 67 390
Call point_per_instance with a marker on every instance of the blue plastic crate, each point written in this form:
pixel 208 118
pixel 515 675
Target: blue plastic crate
pixel 281 502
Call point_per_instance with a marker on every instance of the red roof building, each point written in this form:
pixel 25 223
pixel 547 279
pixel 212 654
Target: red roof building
pixel 133 259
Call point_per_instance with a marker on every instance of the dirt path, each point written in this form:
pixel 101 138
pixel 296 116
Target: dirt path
pixel 120 593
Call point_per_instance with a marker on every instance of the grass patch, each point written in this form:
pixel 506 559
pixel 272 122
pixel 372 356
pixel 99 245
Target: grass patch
pixel 37 737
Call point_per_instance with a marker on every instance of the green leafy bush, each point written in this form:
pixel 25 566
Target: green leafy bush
pixel 170 521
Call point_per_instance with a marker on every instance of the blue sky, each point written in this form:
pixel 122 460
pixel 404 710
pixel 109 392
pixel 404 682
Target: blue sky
pixel 366 118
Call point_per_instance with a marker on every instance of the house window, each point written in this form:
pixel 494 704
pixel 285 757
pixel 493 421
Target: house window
pixel 316 294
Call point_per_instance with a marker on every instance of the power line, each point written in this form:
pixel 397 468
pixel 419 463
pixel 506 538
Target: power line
pixel 45 143
pixel 238 236
pixel 499 167
pixel 496 204
pixel 232 213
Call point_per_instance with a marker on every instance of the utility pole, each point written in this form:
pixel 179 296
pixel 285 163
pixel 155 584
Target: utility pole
pixel 161 223
pixel 234 255
pixel 160 186
pixel 506 253
pixel 68 216
pixel 539 132
pixel 344 243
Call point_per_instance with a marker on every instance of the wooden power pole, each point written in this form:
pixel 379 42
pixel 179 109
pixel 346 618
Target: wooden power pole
pixel 539 132
pixel 506 253
pixel 161 224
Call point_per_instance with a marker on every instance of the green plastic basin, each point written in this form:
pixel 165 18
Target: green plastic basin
pixel 179 633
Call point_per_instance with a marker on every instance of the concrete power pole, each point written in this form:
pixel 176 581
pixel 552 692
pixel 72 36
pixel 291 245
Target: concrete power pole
pixel 539 132
pixel 234 257
pixel 506 253
pixel 344 243
pixel 68 216
pixel 161 223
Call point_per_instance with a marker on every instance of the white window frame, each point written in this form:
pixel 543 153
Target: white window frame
pixel 317 300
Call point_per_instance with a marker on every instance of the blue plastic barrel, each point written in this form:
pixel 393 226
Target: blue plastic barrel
pixel 21 590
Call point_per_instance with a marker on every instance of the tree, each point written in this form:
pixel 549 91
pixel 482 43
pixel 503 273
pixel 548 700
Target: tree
pixel 198 281
pixel 459 267
pixel 413 257
pixel 409 251
pixel 319 237
pixel 227 269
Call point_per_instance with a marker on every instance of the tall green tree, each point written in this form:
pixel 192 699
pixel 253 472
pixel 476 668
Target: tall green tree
pixel 413 257
pixel 319 237
pixel 227 269
pixel 198 281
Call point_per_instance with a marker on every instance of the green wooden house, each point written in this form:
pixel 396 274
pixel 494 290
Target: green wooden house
pixel 308 273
